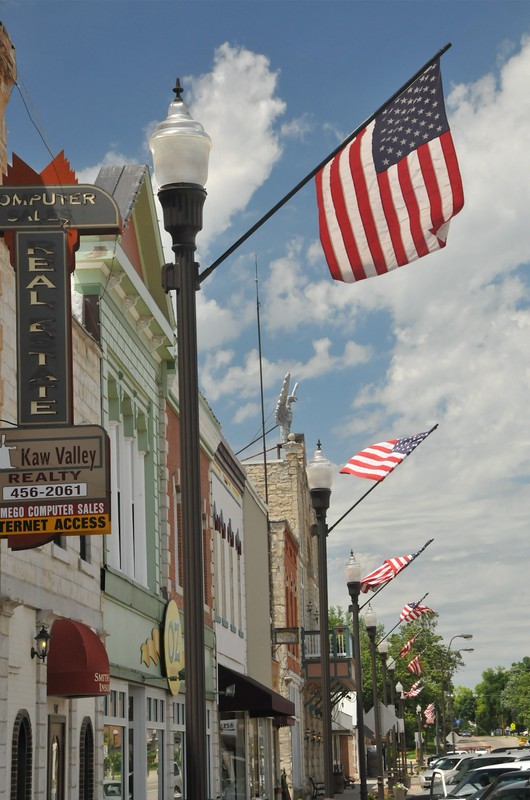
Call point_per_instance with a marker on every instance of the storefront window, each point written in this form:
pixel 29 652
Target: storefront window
pixel 178 761
pixel 154 752
pixel 113 760
pixel 233 766
pixel 259 760
pixel 155 748
pixel 115 763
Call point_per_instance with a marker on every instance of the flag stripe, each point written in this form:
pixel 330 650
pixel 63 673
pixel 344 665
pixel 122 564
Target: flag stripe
pixel 456 192
pixel 373 228
pixel 390 201
pixel 324 230
pixel 406 647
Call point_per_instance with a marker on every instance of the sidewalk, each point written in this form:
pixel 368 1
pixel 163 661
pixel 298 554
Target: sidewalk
pixel 371 783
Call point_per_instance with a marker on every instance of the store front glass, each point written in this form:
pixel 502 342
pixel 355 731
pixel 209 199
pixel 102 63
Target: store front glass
pixel 233 765
pixel 259 758
pixel 113 761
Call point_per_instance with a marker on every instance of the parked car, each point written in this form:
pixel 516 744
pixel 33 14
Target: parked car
pixel 443 786
pixel 513 776
pixel 475 782
pixel 447 763
pixel 473 762
pixel 514 791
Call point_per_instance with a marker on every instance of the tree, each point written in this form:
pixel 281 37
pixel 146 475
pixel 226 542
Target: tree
pixel 515 697
pixel 465 705
pixel 491 713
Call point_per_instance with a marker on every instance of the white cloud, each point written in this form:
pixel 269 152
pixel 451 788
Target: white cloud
pixel 237 105
pixel 112 158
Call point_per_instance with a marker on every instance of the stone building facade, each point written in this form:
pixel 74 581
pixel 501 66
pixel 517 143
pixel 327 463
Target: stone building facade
pixel 294 589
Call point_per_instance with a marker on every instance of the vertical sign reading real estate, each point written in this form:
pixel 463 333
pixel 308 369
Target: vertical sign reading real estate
pixel 44 352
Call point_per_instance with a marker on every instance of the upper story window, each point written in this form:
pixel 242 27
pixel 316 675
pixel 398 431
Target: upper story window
pixel 128 451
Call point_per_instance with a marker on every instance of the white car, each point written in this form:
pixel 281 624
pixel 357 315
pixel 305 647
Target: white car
pixel 444 763
pixel 473 782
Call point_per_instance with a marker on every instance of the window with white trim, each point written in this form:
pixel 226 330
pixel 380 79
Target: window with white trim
pixel 128 449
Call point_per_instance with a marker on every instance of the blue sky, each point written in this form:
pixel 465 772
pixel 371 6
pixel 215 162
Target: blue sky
pixel 278 85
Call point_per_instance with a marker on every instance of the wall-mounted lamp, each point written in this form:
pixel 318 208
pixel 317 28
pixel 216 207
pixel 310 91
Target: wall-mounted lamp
pixel 43 643
pixel 229 691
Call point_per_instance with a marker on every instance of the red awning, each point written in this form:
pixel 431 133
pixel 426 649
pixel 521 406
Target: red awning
pixel 78 664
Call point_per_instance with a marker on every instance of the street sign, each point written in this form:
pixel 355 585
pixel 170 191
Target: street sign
pixel 54 481
pixel 84 207
pixel 388 719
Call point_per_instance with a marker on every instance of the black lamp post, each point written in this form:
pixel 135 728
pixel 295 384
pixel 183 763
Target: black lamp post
pixel 445 678
pixel 370 620
pixel 402 739
pixel 353 577
pixel 319 478
pixel 420 736
pixel 383 653
pixel 394 760
pixel 180 149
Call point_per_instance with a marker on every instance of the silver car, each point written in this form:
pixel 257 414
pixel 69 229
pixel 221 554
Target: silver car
pixel 445 763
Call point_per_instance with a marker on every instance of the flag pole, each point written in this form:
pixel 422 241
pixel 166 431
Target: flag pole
pixel 206 272
pixel 373 487
pixel 395 576
pixel 265 481
pixel 400 621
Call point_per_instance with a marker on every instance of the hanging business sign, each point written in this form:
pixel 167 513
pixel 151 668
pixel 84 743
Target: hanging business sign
pixel 173 646
pixel 44 329
pixel 54 482
pixel 86 208
pixel 51 490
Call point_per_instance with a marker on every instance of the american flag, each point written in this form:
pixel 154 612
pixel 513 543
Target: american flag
pixel 387 198
pixel 415 666
pixel 414 690
pixel 388 570
pixel 414 611
pixel 377 461
pixel 406 647
pixel 430 714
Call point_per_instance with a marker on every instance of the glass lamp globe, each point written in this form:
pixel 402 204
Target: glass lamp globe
pixel 180 147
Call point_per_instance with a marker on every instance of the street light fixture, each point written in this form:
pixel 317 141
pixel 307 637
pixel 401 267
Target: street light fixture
pixel 445 664
pixel 401 732
pixel 420 736
pixel 451 696
pixel 370 620
pixel 393 759
pixel 180 149
pixel 353 578
pixel 319 478
pixel 383 653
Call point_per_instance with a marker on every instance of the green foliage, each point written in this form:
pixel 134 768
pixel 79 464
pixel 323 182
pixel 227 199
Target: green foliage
pixel 465 705
pixel 490 710
pixel 337 617
pixel 515 697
